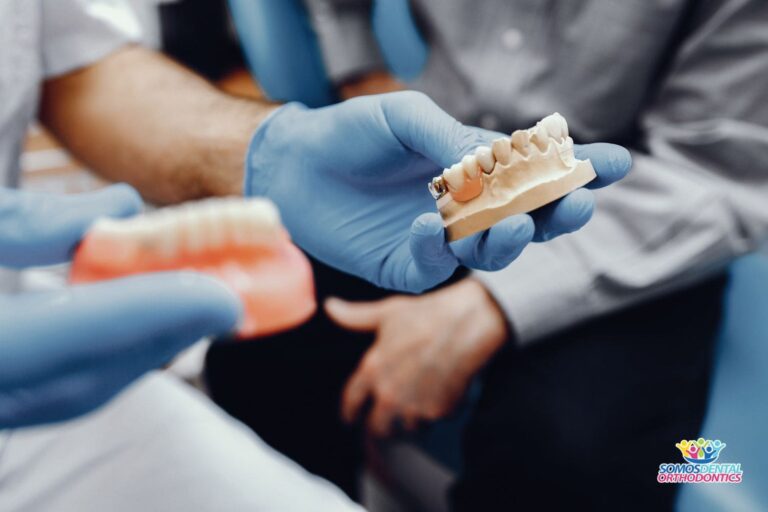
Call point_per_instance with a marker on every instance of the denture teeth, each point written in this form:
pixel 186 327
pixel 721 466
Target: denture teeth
pixel 455 176
pixel 520 141
pixel 166 234
pixel 502 150
pixel 556 126
pixel 471 167
pixel 193 236
pixel 540 137
pixel 263 219
pixel 485 158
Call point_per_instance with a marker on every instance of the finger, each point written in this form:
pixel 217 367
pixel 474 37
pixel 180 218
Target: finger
pixel 567 215
pixel 381 418
pixel 424 127
pixel 100 323
pixel 611 162
pixel 497 247
pixel 356 392
pixel 63 397
pixel 43 229
pixel 355 316
pixel 431 259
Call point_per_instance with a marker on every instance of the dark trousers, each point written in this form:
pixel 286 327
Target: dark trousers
pixel 582 419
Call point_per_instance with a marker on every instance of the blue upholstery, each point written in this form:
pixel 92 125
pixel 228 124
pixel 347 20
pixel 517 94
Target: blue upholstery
pixel 284 56
pixel 282 51
pixel 738 405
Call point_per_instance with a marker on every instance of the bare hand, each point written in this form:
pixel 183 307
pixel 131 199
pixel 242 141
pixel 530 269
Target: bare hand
pixel 426 351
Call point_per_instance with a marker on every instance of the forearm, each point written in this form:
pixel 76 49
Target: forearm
pixel 140 118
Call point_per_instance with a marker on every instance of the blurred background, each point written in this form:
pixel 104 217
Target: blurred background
pixel 413 473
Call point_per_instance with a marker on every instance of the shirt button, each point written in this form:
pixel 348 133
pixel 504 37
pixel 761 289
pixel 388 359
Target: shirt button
pixel 489 121
pixel 512 39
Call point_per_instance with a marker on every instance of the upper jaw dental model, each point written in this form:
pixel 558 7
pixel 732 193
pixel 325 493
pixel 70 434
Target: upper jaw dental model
pixel 240 241
pixel 515 175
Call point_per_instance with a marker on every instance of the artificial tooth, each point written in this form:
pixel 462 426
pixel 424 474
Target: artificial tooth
pixel 167 229
pixel 471 167
pixel 484 157
pixel 455 176
pixel 540 137
pixel 210 224
pixel 502 151
pixel 263 220
pixel 193 234
pixel 556 126
pixel 437 187
pixel 520 142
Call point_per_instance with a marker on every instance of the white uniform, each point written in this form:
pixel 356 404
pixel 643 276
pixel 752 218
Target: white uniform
pixel 160 445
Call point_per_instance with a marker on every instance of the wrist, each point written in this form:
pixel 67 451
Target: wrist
pixel 487 318
pixel 264 144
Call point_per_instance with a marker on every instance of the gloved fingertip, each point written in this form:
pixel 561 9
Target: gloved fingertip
pixel 611 162
pixel 434 261
pixel 429 225
pixel 125 201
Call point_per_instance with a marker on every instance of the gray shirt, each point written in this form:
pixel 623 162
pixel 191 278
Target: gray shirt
pixel 683 83
pixel 41 39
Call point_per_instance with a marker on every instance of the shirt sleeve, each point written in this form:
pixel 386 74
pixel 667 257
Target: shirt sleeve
pixel 345 36
pixel 696 198
pixel 77 33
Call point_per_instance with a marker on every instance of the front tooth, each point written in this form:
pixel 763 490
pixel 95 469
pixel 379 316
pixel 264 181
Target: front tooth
pixel 471 167
pixel 520 142
pixel 502 151
pixel 167 230
pixel 193 232
pixel 210 224
pixel 556 126
pixel 484 157
pixel 263 219
pixel 455 177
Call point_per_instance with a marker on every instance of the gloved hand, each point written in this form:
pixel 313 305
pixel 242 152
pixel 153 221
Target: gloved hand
pixel 64 353
pixel 43 229
pixel 350 183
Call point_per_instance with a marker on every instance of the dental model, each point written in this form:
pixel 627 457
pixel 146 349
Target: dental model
pixel 240 241
pixel 515 175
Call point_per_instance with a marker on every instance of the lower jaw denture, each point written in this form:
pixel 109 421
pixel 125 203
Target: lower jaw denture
pixel 239 241
pixel 515 175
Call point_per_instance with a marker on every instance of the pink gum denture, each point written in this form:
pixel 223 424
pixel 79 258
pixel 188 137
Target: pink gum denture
pixel 239 241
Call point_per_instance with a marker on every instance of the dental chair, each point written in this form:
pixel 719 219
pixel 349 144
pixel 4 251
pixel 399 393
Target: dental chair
pixel 738 402
pixel 414 474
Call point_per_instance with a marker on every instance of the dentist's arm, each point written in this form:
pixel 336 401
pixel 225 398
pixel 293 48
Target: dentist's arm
pixel 350 179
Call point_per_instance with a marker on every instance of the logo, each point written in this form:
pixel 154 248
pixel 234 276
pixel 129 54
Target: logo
pixel 701 451
pixel 700 465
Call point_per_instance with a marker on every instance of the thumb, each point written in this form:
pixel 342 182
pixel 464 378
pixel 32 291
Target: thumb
pixel 355 316
pixel 141 321
pixel 424 127
pixel 433 261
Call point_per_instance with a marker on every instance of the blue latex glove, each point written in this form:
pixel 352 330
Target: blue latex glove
pixel 350 183
pixel 43 229
pixel 64 353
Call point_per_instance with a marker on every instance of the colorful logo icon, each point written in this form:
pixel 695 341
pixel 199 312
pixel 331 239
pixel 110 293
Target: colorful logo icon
pixel 700 451
pixel 700 466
